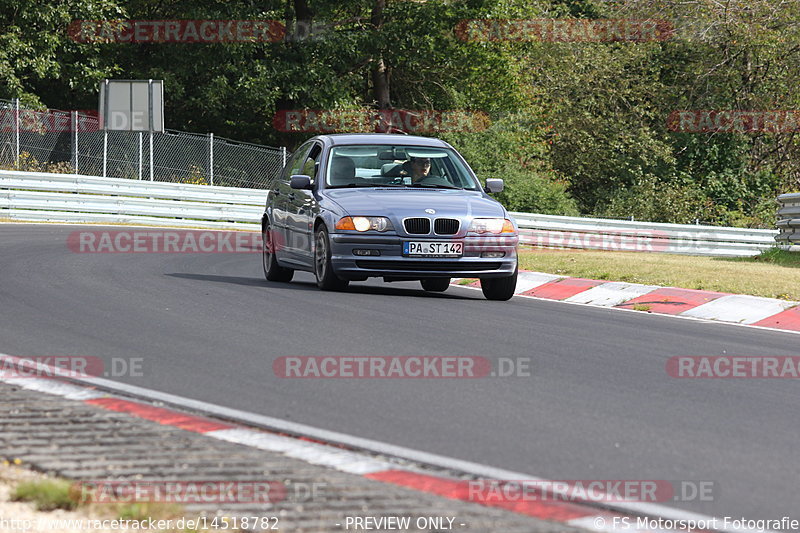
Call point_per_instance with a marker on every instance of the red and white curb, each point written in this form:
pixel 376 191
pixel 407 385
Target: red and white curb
pixel 735 308
pixel 372 459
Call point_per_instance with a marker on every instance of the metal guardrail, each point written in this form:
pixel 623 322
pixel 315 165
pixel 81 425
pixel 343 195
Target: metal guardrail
pixel 789 219
pixel 549 231
pixel 49 197
pixel 76 198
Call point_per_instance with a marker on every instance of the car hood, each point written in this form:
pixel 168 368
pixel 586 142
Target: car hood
pixel 399 203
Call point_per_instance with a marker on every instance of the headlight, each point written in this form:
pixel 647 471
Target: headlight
pixel 364 224
pixel 491 225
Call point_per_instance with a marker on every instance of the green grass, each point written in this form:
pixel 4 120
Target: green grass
pixel 52 494
pixel 773 274
pixel 47 495
pixel 773 256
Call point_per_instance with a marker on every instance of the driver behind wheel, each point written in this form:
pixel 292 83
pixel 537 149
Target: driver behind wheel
pixel 420 168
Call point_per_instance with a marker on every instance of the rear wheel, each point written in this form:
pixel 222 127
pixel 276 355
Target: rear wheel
pixel 501 289
pixel 327 280
pixel 272 270
pixel 435 284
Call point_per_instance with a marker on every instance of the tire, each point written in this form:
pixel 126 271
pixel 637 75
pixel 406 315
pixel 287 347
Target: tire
pixel 435 284
pixel 272 270
pixel 327 280
pixel 500 289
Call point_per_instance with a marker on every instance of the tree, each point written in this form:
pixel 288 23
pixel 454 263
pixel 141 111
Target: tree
pixel 40 63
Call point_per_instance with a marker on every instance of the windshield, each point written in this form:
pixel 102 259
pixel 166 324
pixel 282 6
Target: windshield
pixel 397 166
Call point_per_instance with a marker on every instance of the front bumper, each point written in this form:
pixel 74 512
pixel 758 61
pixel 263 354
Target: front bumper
pixel 392 264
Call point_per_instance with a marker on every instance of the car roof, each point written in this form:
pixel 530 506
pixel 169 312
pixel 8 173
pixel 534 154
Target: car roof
pixel 340 139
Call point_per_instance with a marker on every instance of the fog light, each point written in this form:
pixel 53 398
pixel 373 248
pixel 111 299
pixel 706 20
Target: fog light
pixel 493 254
pixel 361 251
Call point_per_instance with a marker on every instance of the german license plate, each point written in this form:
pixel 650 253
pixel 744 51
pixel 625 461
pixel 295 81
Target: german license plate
pixel 433 249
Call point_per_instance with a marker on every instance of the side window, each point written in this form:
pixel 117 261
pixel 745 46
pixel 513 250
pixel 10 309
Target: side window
pixel 295 162
pixel 311 166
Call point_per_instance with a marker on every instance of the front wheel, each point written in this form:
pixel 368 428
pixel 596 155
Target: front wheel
pixel 272 270
pixel 435 284
pixel 327 280
pixel 501 289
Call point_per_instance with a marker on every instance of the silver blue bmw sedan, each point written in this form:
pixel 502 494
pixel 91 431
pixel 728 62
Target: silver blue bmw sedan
pixel 353 206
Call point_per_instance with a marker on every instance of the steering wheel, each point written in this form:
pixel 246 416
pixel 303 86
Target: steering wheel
pixel 394 180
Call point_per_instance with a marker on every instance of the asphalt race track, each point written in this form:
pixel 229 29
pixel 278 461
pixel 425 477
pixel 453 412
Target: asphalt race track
pixel 599 403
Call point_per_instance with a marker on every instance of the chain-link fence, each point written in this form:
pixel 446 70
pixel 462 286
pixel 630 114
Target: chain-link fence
pixel 73 142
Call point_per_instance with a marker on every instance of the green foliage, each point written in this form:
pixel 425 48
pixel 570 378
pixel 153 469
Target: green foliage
pixel 532 193
pixel 609 104
pixel 575 126
pixel 48 494
pixel 38 60
pixel 685 202
pixel 514 148
pixel 655 201
pixel 606 131
pixel 762 215
pixel 28 163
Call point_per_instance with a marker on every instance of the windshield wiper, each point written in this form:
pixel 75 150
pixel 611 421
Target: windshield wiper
pixel 354 185
pixel 431 186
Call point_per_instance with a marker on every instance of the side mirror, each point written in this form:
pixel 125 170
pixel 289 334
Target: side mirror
pixel 300 181
pixel 494 185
